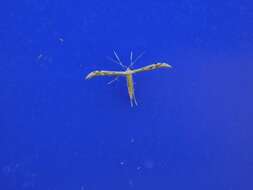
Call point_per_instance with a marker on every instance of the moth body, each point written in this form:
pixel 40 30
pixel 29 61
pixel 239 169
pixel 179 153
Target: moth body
pixel 130 87
pixel 128 73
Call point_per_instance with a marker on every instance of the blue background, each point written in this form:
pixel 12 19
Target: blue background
pixel 192 128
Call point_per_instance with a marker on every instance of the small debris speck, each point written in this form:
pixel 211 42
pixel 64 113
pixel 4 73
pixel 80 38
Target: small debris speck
pixel 61 40
pixel 40 56
pixel 122 163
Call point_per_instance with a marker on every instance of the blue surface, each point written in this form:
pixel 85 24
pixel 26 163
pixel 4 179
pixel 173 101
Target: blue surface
pixel 192 128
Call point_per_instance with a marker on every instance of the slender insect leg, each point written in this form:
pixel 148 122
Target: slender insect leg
pixel 131 57
pixel 136 59
pixel 131 102
pixel 115 79
pixel 135 100
pixel 118 59
pixel 111 59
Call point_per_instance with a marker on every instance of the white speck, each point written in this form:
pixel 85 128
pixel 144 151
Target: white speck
pixel 138 167
pixel 149 164
pixel 131 183
pixel 61 40
pixel 6 170
pixel 122 163
pixel 132 140
pixel 39 56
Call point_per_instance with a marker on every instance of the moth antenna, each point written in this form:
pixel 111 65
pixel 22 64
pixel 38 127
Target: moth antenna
pixel 115 61
pixel 136 59
pixel 118 60
pixel 112 60
pixel 131 57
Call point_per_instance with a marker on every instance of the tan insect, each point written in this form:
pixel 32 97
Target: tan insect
pixel 128 73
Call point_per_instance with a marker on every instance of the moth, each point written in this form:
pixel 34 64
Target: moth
pixel 128 73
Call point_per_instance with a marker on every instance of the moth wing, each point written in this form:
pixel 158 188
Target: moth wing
pixel 105 73
pixel 152 67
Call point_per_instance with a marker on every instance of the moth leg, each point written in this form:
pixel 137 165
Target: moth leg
pixel 135 101
pixel 131 57
pixel 118 60
pixel 131 102
pixel 136 59
pixel 115 79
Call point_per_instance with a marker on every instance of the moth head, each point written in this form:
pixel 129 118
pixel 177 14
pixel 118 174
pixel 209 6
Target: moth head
pixel 128 69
